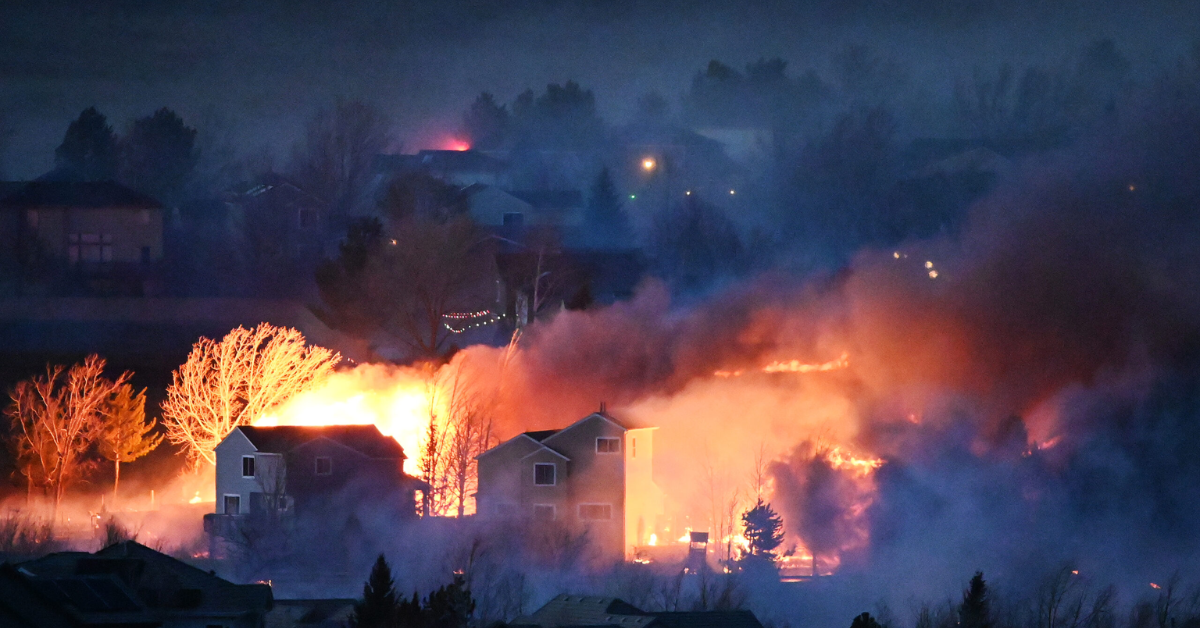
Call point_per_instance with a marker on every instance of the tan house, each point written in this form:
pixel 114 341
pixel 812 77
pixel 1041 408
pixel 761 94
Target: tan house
pixel 87 222
pixel 595 475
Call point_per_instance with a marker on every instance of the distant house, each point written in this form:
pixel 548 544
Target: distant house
pixel 278 219
pixel 320 472
pixel 493 207
pixel 595 475
pixel 126 584
pixel 461 168
pixel 567 611
pixel 87 229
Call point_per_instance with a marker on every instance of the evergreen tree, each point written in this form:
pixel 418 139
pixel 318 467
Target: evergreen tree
pixel 159 155
pixel 378 607
pixel 604 211
pixel 125 435
pixel 89 149
pixel 865 621
pixel 763 530
pixel 450 606
pixel 486 123
pixel 974 612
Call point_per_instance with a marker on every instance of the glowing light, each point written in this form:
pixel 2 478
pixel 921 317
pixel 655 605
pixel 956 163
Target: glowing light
pixel 896 255
pixel 732 192
pixel 689 193
pixel 1154 586
pixel 928 264
pixel 653 540
pixel 195 499
pixel 633 196
pixel 839 458
pixel 1074 572
pixel 933 274
pixel 1132 187
pixel 649 164
pixel 796 366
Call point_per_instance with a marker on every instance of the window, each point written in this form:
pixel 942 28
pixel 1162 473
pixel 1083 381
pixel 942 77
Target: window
pixel 543 512
pixel 543 474
pixel 592 512
pixel 514 219
pixel 504 509
pixel 324 465
pixel 233 504
pixel 247 466
pixel 89 247
pixel 608 445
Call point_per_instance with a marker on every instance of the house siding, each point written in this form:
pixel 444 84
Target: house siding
pixel 229 472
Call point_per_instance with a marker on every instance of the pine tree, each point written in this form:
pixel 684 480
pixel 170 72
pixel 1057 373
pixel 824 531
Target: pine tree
pixel 379 605
pixel 89 148
pixel 604 212
pixel 763 530
pixel 450 606
pixel 125 435
pixel 159 155
pixel 974 612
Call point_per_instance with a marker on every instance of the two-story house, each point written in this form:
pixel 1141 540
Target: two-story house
pixel 320 472
pixel 101 231
pixel 595 475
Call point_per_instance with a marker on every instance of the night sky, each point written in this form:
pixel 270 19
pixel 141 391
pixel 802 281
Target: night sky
pixel 249 73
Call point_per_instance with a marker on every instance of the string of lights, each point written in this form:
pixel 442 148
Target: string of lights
pixel 488 317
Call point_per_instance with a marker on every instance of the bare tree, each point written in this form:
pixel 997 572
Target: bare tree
pixel 55 420
pixel 235 381
pixel 124 435
pixel 470 434
pixel 334 160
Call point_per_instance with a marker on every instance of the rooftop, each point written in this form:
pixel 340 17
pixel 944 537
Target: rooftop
pixel 365 439
pixel 92 194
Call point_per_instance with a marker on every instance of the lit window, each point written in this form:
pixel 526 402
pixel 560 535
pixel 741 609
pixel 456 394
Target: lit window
pixel 247 466
pixel 543 512
pixel 595 512
pixel 324 466
pixel 608 445
pixel 543 474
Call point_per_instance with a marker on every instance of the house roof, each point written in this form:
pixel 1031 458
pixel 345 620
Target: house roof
pixel 138 568
pixel 584 610
pixel 541 435
pixel 551 199
pixel 365 439
pixel 578 611
pixel 89 194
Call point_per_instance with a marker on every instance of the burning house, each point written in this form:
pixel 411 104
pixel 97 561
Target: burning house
pixel 310 471
pixel 595 475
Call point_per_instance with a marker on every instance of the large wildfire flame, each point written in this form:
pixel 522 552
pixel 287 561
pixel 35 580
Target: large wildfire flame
pixel 399 401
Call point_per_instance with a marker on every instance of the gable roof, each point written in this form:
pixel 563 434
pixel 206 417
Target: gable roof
pixel 541 435
pixel 365 439
pixel 577 611
pixel 140 568
pixel 90 194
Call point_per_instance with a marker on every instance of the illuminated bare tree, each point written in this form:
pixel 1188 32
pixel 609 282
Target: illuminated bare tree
pixel 236 380
pixel 56 418
pixel 459 429
pixel 124 434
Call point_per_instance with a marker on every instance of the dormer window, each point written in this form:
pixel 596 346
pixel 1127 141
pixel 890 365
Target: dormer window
pixel 544 474
pixel 324 465
pixel 608 445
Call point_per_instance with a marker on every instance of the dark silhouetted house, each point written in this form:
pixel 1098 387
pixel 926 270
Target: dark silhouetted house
pixel 571 611
pixel 595 475
pixel 325 473
pixel 278 220
pixel 101 233
pixel 458 167
pixel 125 584
pixel 329 613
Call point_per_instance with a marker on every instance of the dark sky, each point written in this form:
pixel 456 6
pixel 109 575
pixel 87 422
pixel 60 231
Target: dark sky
pixel 261 67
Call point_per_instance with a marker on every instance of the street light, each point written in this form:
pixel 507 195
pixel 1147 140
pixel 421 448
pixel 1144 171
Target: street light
pixel 649 164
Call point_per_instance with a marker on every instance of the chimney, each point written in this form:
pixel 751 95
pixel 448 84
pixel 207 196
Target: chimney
pixel 603 407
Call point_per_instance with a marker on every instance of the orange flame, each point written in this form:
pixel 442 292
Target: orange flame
pixel 795 366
